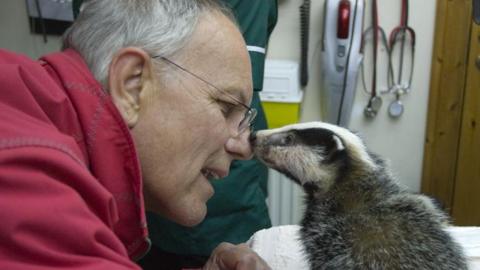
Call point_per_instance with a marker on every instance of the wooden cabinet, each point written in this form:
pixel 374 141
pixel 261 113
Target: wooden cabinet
pixel 451 171
pixel 466 199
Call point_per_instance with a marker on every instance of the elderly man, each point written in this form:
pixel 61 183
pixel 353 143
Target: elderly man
pixel 148 100
pixel 238 208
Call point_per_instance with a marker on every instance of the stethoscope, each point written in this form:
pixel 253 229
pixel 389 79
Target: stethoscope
pixel 375 101
pixel 402 86
pixel 398 86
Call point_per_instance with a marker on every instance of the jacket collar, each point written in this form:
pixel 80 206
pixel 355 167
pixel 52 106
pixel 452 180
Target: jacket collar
pixel 107 145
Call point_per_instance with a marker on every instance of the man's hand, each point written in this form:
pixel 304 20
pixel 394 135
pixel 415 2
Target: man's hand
pixel 235 257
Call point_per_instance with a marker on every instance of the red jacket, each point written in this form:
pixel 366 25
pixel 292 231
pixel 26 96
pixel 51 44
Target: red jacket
pixel 70 183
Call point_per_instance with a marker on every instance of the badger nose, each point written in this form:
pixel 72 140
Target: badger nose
pixel 253 137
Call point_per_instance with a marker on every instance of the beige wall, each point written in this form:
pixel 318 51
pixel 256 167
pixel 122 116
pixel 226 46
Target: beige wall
pixel 15 31
pixel 400 141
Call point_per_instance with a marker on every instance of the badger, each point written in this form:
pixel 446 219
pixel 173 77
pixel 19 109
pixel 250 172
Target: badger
pixel 357 216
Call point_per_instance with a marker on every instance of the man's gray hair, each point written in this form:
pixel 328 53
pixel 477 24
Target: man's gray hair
pixel 160 27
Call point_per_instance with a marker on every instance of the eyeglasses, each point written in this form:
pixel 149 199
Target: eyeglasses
pixel 250 112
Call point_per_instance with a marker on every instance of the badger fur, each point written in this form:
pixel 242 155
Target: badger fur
pixel 357 216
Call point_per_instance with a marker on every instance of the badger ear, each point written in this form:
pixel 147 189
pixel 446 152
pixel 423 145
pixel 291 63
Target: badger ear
pixel 335 149
pixel 339 146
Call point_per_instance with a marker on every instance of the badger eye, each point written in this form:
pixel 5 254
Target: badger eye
pixel 288 139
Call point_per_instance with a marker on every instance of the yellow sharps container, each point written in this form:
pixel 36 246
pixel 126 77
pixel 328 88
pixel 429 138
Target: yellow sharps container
pixel 281 95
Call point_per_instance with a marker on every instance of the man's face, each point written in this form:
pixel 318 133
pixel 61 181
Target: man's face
pixel 186 128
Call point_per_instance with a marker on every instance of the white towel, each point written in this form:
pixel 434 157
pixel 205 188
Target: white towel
pixel 469 239
pixel 281 249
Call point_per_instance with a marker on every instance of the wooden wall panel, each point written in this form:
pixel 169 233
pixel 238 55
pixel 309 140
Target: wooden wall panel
pixel 446 98
pixel 466 204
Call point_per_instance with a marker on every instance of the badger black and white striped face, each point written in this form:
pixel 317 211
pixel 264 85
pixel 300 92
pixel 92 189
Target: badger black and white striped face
pixel 310 153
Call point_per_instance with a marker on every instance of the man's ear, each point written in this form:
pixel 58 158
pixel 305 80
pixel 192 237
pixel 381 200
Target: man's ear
pixel 130 74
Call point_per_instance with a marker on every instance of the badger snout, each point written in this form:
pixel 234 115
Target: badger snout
pixel 257 139
pixel 259 146
pixel 253 138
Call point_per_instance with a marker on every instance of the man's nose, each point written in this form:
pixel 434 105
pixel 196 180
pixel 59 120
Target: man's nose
pixel 239 147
